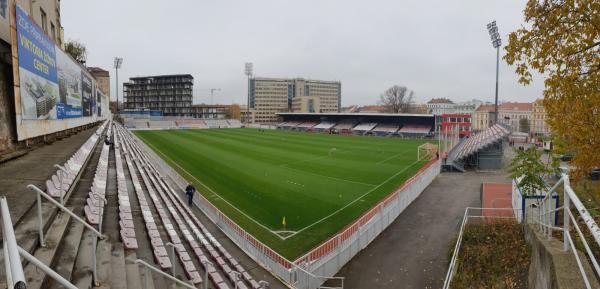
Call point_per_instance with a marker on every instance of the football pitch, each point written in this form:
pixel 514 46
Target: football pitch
pixel 291 190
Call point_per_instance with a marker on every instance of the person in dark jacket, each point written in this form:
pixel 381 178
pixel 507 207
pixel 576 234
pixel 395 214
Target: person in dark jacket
pixel 189 191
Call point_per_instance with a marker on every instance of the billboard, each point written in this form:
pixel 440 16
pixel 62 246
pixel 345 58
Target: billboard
pixel 55 91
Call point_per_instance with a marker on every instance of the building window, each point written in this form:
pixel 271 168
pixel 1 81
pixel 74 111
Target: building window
pixel 53 31
pixel 44 20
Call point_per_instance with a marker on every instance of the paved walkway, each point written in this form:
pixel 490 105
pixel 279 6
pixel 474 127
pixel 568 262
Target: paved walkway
pixel 35 168
pixel 413 252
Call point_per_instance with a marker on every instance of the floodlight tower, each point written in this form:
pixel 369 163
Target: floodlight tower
pixel 118 62
pixel 212 91
pixel 249 68
pixel 496 42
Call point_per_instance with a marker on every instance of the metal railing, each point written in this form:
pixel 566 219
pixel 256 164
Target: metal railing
pixel 466 217
pixel 12 263
pixel 97 233
pixel 149 269
pixel 15 277
pixel 543 215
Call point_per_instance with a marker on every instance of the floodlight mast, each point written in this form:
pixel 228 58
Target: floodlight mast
pixel 249 68
pixel 496 43
pixel 117 65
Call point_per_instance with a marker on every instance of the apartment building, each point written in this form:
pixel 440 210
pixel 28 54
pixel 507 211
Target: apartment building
pixel 102 78
pixel 45 13
pixel 538 118
pixel 512 113
pixel 269 96
pixel 483 117
pixel 170 94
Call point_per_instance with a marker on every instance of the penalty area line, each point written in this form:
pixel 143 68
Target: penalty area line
pixel 354 201
pixel 217 195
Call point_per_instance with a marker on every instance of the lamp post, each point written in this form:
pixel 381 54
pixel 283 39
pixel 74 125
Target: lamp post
pixel 496 42
pixel 118 62
pixel 249 69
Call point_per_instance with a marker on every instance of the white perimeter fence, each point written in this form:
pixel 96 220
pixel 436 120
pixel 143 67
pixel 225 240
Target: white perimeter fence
pixel 323 262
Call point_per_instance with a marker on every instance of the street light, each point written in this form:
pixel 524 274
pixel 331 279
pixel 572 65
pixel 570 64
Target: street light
pixel 249 69
pixel 118 62
pixel 496 42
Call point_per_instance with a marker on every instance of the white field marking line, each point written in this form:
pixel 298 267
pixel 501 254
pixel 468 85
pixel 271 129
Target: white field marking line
pixel 217 195
pixel 333 178
pixel 355 200
pixel 311 159
pixel 392 157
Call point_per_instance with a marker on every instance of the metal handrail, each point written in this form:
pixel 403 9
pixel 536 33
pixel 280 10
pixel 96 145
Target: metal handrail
pixel 172 278
pixel 33 260
pixel 14 269
pixel 452 266
pixel 97 234
pixel 64 209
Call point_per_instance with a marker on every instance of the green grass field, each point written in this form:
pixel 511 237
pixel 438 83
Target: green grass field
pixel 319 183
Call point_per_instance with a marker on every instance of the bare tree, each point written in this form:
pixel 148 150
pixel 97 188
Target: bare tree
pixel 397 99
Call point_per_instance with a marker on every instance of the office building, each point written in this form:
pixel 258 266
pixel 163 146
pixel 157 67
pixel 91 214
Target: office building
pixel 45 13
pixel 269 96
pixel 170 94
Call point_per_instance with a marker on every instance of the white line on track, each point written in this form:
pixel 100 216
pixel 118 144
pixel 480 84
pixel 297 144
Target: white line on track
pixel 355 200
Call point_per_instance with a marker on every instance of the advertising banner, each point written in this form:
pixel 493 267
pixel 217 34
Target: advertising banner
pixel 55 92
pixel 37 68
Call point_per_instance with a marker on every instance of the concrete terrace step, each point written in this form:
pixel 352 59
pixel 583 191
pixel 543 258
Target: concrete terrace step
pixel 134 276
pixel 118 278
pixel 82 273
pixel 36 277
pixel 103 262
pixel 67 254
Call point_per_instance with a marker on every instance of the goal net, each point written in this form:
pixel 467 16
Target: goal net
pixel 426 151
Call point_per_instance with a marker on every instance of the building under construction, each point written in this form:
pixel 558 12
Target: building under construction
pixel 170 94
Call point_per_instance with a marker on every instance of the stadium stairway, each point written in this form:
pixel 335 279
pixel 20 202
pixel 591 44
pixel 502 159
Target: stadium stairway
pixel 142 213
pixel 451 162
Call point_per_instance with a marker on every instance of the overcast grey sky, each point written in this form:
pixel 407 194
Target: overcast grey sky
pixel 438 48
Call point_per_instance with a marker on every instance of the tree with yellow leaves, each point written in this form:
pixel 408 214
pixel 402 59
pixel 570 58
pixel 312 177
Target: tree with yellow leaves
pixel 561 40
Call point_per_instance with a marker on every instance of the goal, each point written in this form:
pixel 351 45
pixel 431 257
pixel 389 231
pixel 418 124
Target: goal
pixel 426 151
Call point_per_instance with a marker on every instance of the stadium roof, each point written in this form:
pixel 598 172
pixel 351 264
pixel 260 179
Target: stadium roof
pixel 357 114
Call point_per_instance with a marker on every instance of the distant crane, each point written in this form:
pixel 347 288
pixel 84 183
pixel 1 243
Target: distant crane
pixel 212 91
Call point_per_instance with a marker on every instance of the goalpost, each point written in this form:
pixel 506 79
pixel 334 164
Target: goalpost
pixel 426 151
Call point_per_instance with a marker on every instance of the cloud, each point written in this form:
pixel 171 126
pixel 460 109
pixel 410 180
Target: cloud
pixel 438 48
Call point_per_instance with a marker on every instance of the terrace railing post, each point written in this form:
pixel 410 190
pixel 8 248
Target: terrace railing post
pixel 206 264
pixel 60 180
pixel 566 211
pixel 40 220
pixel 237 278
pixel 94 248
pixel 172 257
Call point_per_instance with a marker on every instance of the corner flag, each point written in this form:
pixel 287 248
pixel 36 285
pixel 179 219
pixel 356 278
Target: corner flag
pixel 283 222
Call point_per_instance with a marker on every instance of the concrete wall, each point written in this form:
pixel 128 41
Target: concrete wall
pixel 7 106
pixel 551 267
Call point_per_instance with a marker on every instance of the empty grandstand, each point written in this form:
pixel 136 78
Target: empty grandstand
pixel 180 123
pixel 381 124
pixel 481 151
pixel 385 129
pixel 364 127
pixel 324 126
pixel 118 205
